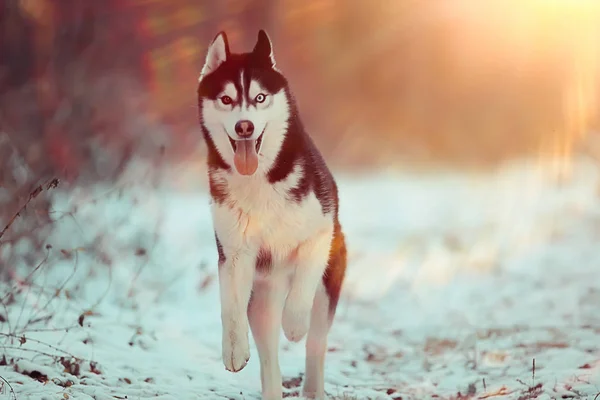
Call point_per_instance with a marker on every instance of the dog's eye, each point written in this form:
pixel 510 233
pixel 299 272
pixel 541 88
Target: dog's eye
pixel 226 100
pixel 260 98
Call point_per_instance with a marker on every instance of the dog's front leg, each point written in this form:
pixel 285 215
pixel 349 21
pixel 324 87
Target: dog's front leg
pixel 264 313
pixel 236 274
pixel 310 264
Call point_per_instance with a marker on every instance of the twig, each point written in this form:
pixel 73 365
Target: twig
pixel 23 303
pixel 68 214
pixel 155 235
pixel 12 391
pixel 62 328
pixel 57 292
pixel 39 189
pixel 45 318
pixel 138 272
pixel 39 352
pixel 38 301
pixel 10 335
pixel 29 286
pixel 7 316
pixel 101 298
pixel 30 274
pixel 523 383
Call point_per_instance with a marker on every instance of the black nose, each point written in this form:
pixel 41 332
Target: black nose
pixel 244 128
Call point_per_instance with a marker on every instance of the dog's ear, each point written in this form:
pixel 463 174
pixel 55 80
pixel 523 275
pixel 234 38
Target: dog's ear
pixel 263 49
pixel 218 51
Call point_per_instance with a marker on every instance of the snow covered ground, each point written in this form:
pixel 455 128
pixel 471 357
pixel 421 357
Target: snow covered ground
pixel 458 284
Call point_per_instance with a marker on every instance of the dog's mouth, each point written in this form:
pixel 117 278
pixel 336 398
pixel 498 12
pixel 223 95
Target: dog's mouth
pixel 245 154
pixel 257 144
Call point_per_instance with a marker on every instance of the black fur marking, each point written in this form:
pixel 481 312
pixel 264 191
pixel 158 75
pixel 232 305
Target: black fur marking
pixel 222 257
pixel 298 148
pixel 247 78
pixel 230 71
pixel 263 49
pixel 291 149
pixel 218 189
pixel 300 192
pixel 264 261
pixel 325 187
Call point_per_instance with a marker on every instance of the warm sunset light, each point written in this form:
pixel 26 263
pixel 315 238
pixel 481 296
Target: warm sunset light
pixel 317 199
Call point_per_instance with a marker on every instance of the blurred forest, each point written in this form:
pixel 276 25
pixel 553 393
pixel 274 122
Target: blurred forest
pixel 85 85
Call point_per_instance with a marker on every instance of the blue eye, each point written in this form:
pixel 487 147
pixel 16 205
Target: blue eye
pixel 260 98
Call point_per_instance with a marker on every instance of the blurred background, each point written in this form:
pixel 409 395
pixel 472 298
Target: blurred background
pixel 86 86
pixel 463 135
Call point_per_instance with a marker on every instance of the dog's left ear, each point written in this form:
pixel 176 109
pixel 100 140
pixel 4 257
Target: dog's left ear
pixel 264 48
pixel 218 52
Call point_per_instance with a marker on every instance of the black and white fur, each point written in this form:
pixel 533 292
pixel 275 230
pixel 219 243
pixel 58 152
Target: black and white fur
pixel 282 254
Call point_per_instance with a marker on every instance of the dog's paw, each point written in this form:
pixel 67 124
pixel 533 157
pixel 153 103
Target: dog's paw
pixel 313 395
pixel 295 321
pixel 236 351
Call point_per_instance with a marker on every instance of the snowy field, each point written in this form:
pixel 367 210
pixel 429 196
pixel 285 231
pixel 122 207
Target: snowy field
pixel 460 286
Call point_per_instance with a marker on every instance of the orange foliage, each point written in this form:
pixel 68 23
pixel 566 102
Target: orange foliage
pixel 466 80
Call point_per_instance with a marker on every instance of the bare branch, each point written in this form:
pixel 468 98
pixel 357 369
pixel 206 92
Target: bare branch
pixel 12 391
pixel 53 183
pixel 10 335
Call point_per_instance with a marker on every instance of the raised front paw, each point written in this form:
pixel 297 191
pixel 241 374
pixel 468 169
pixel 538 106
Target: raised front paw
pixel 236 351
pixel 296 320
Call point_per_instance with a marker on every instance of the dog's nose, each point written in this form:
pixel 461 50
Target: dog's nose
pixel 244 128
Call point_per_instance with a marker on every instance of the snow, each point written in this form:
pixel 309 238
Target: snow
pixel 457 283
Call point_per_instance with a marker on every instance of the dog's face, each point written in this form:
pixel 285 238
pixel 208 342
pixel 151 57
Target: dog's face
pixel 244 104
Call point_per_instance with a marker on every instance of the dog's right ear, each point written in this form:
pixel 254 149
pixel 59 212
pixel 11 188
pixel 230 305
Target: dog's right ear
pixel 218 51
pixel 264 48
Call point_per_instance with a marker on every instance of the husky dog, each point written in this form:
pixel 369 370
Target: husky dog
pixel 282 253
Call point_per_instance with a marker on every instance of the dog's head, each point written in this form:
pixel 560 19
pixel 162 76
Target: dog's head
pixel 244 104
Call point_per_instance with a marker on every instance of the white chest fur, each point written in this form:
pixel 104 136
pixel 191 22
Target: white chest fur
pixel 258 215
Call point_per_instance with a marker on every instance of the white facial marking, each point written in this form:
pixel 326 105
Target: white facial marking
pixel 254 90
pixel 231 91
pixel 270 118
pixel 243 102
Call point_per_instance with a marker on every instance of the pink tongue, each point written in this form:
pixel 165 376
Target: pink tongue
pixel 245 158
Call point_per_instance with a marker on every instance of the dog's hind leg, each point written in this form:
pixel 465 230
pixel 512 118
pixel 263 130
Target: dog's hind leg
pixel 264 314
pixel 322 315
pixel 316 347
